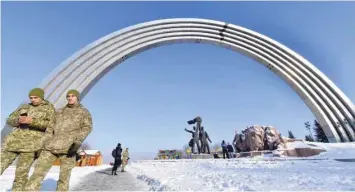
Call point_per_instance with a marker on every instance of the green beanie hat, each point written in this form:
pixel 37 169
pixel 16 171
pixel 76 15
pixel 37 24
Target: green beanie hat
pixel 74 92
pixel 37 92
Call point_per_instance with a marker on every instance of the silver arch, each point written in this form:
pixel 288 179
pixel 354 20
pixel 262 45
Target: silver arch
pixel 84 69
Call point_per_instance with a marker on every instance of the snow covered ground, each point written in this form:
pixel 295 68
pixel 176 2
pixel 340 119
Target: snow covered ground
pixel 246 175
pixel 243 174
pixel 250 174
pixel 50 181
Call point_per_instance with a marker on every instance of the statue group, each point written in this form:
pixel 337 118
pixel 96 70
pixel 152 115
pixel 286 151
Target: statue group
pixel 199 137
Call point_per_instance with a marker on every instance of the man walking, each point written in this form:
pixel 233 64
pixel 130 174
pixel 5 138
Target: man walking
pixel 73 125
pixel 30 122
pixel 116 154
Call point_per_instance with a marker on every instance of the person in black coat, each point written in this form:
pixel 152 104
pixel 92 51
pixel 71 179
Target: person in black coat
pixel 224 149
pixel 230 150
pixel 116 154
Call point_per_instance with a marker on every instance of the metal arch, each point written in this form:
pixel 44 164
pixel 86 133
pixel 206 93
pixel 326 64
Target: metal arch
pixel 346 134
pixel 81 71
pixel 102 68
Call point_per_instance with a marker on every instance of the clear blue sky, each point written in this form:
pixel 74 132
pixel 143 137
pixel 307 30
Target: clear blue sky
pixel 145 102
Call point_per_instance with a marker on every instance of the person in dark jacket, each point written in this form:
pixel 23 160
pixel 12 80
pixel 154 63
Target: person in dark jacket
pixel 230 150
pixel 116 154
pixel 224 149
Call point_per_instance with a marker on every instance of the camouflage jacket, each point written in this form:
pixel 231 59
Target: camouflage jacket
pixel 30 140
pixel 73 125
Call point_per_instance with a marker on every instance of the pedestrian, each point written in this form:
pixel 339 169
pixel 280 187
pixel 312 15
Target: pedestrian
pixel 73 125
pixel 32 124
pixel 116 154
pixel 224 150
pixel 230 150
pixel 125 158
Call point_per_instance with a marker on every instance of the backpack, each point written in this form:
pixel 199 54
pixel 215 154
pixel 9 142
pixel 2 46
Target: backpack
pixel 114 153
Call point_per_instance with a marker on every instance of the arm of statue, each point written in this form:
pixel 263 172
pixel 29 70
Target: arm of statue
pixel 46 121
pixel 189 131
pixel 208 137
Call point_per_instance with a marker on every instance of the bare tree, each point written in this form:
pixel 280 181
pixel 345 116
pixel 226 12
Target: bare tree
pixel 85 146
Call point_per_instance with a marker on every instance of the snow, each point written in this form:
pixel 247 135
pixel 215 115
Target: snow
pixel 261 173
pixel 302 144
pixel 245 175
pixel 50 181
pixel 91 152
pixel 336 150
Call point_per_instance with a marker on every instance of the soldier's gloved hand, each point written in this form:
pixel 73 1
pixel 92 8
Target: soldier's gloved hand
pixel 73 149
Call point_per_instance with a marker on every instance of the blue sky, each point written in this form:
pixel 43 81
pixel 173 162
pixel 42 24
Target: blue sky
pixel 144 103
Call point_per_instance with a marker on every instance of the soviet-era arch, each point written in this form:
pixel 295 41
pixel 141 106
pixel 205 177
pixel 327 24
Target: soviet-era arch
pixel 330 106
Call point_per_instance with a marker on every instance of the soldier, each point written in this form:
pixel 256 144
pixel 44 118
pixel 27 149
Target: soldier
pixel 73 125
pixel 125 158
pixel 28 137
pixel 204 144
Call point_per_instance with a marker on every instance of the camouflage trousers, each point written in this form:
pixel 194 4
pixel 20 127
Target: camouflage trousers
pixel 23 166
pixel 44 163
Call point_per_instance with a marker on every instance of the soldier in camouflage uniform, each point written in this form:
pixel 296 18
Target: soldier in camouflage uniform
pixel 125 158
pixel 30 122
pixel 73 125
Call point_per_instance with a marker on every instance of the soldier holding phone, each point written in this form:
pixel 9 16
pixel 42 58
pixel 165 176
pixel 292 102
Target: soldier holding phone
pixel 30 122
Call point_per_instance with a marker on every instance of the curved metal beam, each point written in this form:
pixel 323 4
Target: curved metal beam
pixel 330 106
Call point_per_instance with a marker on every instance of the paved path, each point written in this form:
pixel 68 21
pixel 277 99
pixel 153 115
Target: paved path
pixel 103 181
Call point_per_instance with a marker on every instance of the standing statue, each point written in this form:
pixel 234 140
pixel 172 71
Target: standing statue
pixel 194 140
pixel 204 144
pixel 198 121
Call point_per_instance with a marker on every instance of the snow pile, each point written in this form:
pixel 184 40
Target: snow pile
pixel 336 150
pixel 245 175
pixel 302 144
pixel 50 181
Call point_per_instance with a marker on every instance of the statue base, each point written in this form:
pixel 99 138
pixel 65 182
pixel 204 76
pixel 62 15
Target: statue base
pixel 201 156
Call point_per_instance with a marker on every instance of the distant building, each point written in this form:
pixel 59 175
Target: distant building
pixel 87 158
pixel 169 154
